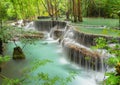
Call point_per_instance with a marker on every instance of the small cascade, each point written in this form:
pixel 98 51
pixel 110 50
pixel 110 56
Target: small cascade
pixel 30 26
pixel 20 23
pixel 56 32
pixel 48 37
pixel 84 57
pixel 80 54
pixel 67 34
pixel 52 31
pixel 47 25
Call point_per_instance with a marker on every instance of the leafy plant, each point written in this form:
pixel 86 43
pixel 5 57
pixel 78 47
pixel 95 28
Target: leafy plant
pixel 101 43
pixel 9 81
pixel 4 59
pixel 113 77
pixel 43 78
pixel 112 61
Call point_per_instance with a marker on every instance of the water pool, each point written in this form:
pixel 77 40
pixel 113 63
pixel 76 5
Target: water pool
pixel 51 50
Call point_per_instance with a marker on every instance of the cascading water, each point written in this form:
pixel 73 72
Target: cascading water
pixel 62 55
pixel 30 26
pixel 81 58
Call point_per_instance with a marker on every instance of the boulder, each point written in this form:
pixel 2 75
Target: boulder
pixel 34 35
pixel 18 53
pixel 88 39
pixel 57 33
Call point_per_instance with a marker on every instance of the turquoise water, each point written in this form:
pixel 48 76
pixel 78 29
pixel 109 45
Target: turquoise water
pixel 45 49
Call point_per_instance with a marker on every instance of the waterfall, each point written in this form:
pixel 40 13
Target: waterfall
pixel 30 26
pixel 47 25
pixel 72 42
pixel 75 45
pixel 52 31
pixel 80 54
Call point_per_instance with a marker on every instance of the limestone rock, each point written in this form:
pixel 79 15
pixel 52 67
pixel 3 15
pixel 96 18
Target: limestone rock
pixel 57 33
pixel 34 35
pixel 18 53
pixel 84 57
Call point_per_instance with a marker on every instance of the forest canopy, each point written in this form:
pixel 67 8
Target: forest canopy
pixel 30 9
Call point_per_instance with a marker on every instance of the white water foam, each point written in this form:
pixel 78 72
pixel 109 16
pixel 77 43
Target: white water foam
pixel 30 26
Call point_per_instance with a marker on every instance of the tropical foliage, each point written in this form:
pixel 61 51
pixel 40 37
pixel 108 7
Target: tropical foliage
pixel 73 10
pixel 14 9
pixel 114 60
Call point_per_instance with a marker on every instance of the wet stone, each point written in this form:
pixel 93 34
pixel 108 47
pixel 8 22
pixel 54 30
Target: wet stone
pixel 18 53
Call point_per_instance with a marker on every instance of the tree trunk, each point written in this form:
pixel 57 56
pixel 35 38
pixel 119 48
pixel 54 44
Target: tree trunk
pixel 119 18
pixel 74 11
pixel 79 11
pixel 68 9
pixel 1 23
pixel 56 10
pixel 38 9
pixel 67 15
pixel 1 51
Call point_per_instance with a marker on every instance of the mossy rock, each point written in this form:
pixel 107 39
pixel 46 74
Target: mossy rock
pixel 18 53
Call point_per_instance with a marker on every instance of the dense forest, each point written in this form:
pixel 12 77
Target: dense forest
pixel 73 9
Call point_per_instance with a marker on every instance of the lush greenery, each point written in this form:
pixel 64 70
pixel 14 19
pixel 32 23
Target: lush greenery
pixel 14 9
pixel 113 61
pixel 74 10
pixel 4 59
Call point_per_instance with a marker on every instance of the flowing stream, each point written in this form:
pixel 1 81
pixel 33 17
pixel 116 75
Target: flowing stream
pixel 48 49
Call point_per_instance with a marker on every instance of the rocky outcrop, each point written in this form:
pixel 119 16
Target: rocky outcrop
pixel 84 57
pixel 33 35
pixel 18 53
pixel 57 33
pixel 89 39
